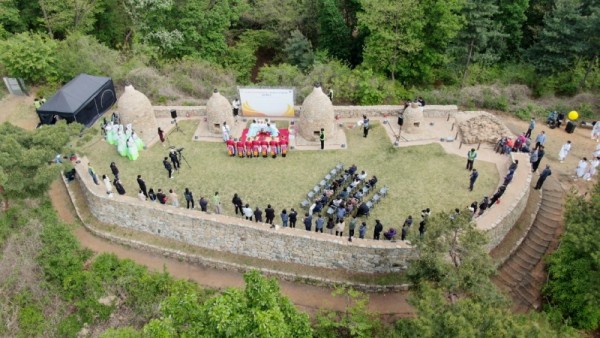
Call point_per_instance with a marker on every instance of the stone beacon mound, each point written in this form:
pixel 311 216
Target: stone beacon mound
pixel 135 108
pixel 218 110
pixel 476 127
pixel 413 117
pixel 317 112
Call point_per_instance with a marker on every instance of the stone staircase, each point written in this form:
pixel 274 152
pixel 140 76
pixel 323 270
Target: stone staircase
pixel 522 274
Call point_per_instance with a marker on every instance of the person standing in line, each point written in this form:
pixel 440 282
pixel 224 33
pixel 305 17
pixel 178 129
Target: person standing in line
pixel 107 185
pixel 545 173
pixel 322 138
pixel 307 222
pixel 319 224
pixel 237 204
pixel 422 227
pixel 119 187
pixel 404 232
pixel 270 215
pixel 151 195
pixel 362 231
pixel 248 213
pixel 189 198
pixel 203 204
pixel 330 225
pixel 142 185
pixel 541 154
pixel 365 126
pixel 497 195
pixel 378 229
pixel 174 159
pixel 174 198
pixel 293 217
pixel 161 136
pixel 540 139
pixel 217 203
pixel 258 215
pixel 533 157
pixel 564 151
pixel 92 173
pixel 339 228
pixel 168 166
pixel 352 226
pixel 531 127
pixel 285 218
pixel 114 169
pixel 471 156
pixel 473 178
pixel 408 221
pixel 162 198
pixel 235 104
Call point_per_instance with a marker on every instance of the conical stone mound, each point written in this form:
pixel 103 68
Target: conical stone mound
pixel 135 108
pixel 218 110
pixel 317 112
pixel 413 117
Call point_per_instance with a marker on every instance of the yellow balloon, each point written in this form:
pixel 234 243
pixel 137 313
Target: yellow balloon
pixel 573 115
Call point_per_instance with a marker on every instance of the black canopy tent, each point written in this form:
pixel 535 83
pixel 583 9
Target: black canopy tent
pixel 84 99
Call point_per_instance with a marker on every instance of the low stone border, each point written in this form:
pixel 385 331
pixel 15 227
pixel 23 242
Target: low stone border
pixel 228 266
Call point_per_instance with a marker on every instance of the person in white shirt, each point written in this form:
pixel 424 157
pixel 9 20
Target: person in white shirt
pixel 564 151
pixel 236 108
pixel 226 131
pixel 362 176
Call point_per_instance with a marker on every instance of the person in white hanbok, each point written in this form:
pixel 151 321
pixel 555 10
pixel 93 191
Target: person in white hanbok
pixel 596 132
pixel 226 131
pixel 564 151
pixel 592 169
pixel 582 167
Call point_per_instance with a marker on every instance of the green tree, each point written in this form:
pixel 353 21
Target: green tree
pixel 561 41
pixel 512 15
pixel 334 35
pixel 30 56
pixel 299 51
pixel 452 256
pixel 111 24
pixel 24 157
pixel 355 321
pixel 592 43
pixel 574 269
pixel 63 16
pixel 10 16
pixel 257 311
pixel 466 317
pixel 481 38
pixel 394 35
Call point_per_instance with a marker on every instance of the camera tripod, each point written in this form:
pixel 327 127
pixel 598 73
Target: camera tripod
pixel 177 126
pixel 181 157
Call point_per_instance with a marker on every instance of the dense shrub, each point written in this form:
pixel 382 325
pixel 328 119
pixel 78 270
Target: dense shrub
pixel 31 56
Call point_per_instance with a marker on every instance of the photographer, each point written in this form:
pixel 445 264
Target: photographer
pixel 174 158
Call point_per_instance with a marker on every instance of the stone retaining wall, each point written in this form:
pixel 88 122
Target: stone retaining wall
pixel 241 237
pixel 498 229
pixel 341 111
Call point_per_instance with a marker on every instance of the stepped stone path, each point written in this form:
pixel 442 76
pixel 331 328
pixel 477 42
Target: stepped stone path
pixel 522 274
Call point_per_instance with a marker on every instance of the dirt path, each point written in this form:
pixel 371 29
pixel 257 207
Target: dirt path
pixel 19 111
pixel 306 297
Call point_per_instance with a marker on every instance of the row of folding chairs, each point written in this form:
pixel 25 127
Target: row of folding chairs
pixel 377 198
pixel 322 184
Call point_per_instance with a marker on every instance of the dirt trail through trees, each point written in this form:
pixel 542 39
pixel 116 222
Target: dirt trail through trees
pixel 306 297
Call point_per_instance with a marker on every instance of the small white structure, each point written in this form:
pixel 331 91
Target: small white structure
pixel 135 108
pixel 317 112
pixel 218 110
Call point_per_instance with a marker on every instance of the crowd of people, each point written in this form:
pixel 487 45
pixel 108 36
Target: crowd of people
pixel 124 137
pixel 262 139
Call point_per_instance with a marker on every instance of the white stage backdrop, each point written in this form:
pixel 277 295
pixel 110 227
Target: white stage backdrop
pixel 261 102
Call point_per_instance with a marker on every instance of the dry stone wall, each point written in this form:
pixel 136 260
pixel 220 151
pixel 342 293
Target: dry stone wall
pixel 234 235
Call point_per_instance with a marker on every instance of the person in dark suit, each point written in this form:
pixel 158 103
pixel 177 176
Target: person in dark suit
pixel 114 169
pixel 168 166
pixel 545 173
pixel 258 215
pixel 270 215
pixel 174 159
pixel 238 205
pixel 142 185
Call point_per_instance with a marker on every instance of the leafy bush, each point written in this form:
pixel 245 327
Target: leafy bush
pixel 30 56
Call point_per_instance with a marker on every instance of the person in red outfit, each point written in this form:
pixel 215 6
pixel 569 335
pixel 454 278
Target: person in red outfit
pixel 255 146
pixel 283 145
pixel 230 147
pixel 240 148
pixel 248 145
pixel 273 145
pixel 264 145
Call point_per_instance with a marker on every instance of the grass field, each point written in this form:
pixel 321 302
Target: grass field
pixel 418 177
